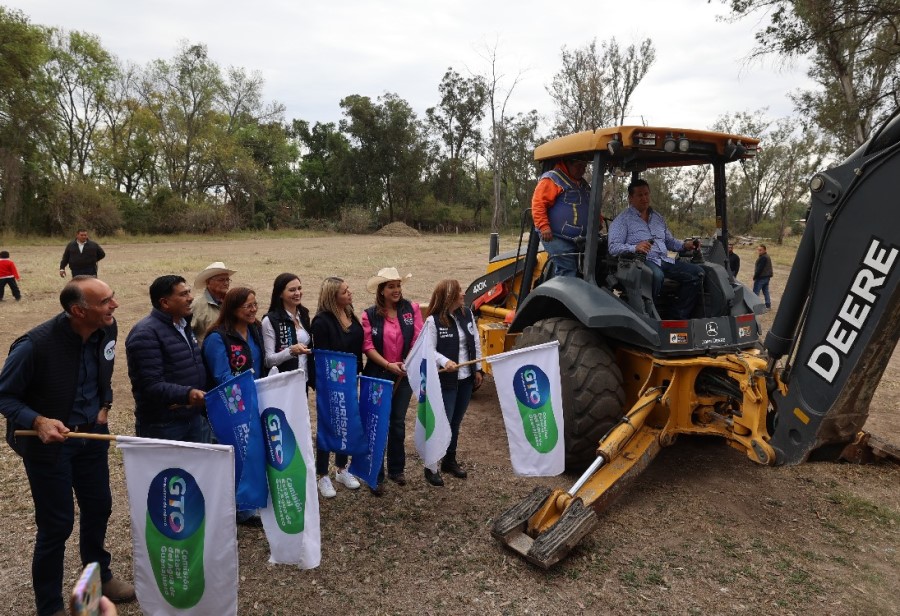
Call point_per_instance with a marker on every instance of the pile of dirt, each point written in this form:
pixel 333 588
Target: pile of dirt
pixel 397 229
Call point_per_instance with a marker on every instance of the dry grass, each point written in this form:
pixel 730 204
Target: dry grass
pixel 703 531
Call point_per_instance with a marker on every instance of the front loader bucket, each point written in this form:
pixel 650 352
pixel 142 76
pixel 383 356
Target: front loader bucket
pixel 552 545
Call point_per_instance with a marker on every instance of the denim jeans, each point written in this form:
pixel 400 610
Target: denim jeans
pixel 762 284
pixel 689 276
pixel 82 467
pixel 456 401
pixel 396 441
pixel 563 255
pixel 192 429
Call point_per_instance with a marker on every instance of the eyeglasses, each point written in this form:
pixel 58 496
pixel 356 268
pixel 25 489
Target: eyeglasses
pixel 252 306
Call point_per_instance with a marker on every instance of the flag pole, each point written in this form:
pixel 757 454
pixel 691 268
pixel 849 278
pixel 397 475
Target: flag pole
pixel 465 363
pixel 87 435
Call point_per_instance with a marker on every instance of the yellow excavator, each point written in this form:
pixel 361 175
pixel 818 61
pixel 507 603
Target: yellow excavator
pixel 634 378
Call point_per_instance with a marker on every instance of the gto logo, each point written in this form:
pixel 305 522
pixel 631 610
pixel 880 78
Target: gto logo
pixel 529 378
pixel 276 441
pixel 175 493
pixel 712 329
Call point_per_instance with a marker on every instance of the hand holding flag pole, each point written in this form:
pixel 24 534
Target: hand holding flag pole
pixel 461 364
pixel 87 435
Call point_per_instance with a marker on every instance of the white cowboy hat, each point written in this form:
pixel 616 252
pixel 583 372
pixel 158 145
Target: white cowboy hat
pixel 213 269
pixel 384 275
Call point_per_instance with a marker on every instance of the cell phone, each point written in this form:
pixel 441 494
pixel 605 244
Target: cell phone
pixel 86 594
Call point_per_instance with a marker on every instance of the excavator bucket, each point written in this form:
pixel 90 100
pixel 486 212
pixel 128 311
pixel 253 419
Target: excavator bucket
pixel 552 545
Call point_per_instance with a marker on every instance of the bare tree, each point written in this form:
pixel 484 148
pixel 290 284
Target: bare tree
pixel 594 86
pixel 498 95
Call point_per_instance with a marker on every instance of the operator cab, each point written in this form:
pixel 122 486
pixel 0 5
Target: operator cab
pixel 614 295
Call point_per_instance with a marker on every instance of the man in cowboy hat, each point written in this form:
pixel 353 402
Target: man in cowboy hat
pixel 214 280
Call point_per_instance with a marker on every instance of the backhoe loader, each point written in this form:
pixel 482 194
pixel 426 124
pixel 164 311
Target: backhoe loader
pixel 633 378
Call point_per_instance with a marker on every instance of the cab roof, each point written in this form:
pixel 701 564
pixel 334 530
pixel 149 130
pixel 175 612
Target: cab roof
pixel 650 146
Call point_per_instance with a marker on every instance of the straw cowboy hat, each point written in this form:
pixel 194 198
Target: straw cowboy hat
pixel 213 269
pixel 385 274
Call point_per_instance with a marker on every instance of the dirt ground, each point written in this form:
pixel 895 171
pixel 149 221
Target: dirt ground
pixel 703 531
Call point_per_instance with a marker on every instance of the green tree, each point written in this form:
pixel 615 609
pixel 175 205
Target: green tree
pixel 771 185
pixel 854 51
pixel 126 154
pixel 181 95
pixel 325 183
pixel 518 169
pixel 455 120
pixel 388 150
pixel 81 71
pixel 25 102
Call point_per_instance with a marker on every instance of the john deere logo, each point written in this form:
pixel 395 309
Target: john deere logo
pixel 712 329
pixel 532 389
pixel 285 471
pixel 175 529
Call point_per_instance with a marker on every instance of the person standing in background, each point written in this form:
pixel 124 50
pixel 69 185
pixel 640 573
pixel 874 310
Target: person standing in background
pixel 762 274
pixel 734 261
pixel 9 276
pixel 81 255
pixel 215 280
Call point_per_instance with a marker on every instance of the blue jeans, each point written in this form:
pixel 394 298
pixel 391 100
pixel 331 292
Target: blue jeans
pixel 563 255
pixel 689 276
pixel 396 441
pixel 456 401
pixel 83 468
pixel 762 284
pixel 192 429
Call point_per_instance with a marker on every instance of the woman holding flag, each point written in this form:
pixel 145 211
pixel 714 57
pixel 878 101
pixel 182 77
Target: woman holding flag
pixel 336 328
pixel 286 326
pixel 452 329
pixel 234 345
pixel 390 328
pixel 237 328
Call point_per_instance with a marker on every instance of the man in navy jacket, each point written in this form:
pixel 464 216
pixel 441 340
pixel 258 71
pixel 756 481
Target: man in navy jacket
pixel 57 381
pixel 166 368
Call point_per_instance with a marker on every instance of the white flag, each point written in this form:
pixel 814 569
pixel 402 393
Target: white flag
pixel 181 497
pixel 432 427
pixel 527 382
pixel 291 520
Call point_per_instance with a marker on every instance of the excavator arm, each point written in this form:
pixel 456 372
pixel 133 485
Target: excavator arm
pixel 839 319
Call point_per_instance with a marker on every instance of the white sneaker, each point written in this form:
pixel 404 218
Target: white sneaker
pixel 325 487
pixel 346 479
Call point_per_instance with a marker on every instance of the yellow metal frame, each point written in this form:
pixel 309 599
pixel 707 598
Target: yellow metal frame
pixel 649 139
pixel 665 403
pixel 493 325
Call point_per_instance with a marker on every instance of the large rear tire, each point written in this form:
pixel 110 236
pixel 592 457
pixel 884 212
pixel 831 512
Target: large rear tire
pixel 593 398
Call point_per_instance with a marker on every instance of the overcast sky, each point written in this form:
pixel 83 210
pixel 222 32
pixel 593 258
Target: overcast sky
pixel 312 54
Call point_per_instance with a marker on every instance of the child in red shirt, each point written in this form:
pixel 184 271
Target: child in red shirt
pixel 8 276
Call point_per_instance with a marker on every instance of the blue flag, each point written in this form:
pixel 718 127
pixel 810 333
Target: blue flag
pixel 338 427
pixel 234 415
pixel 375 410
